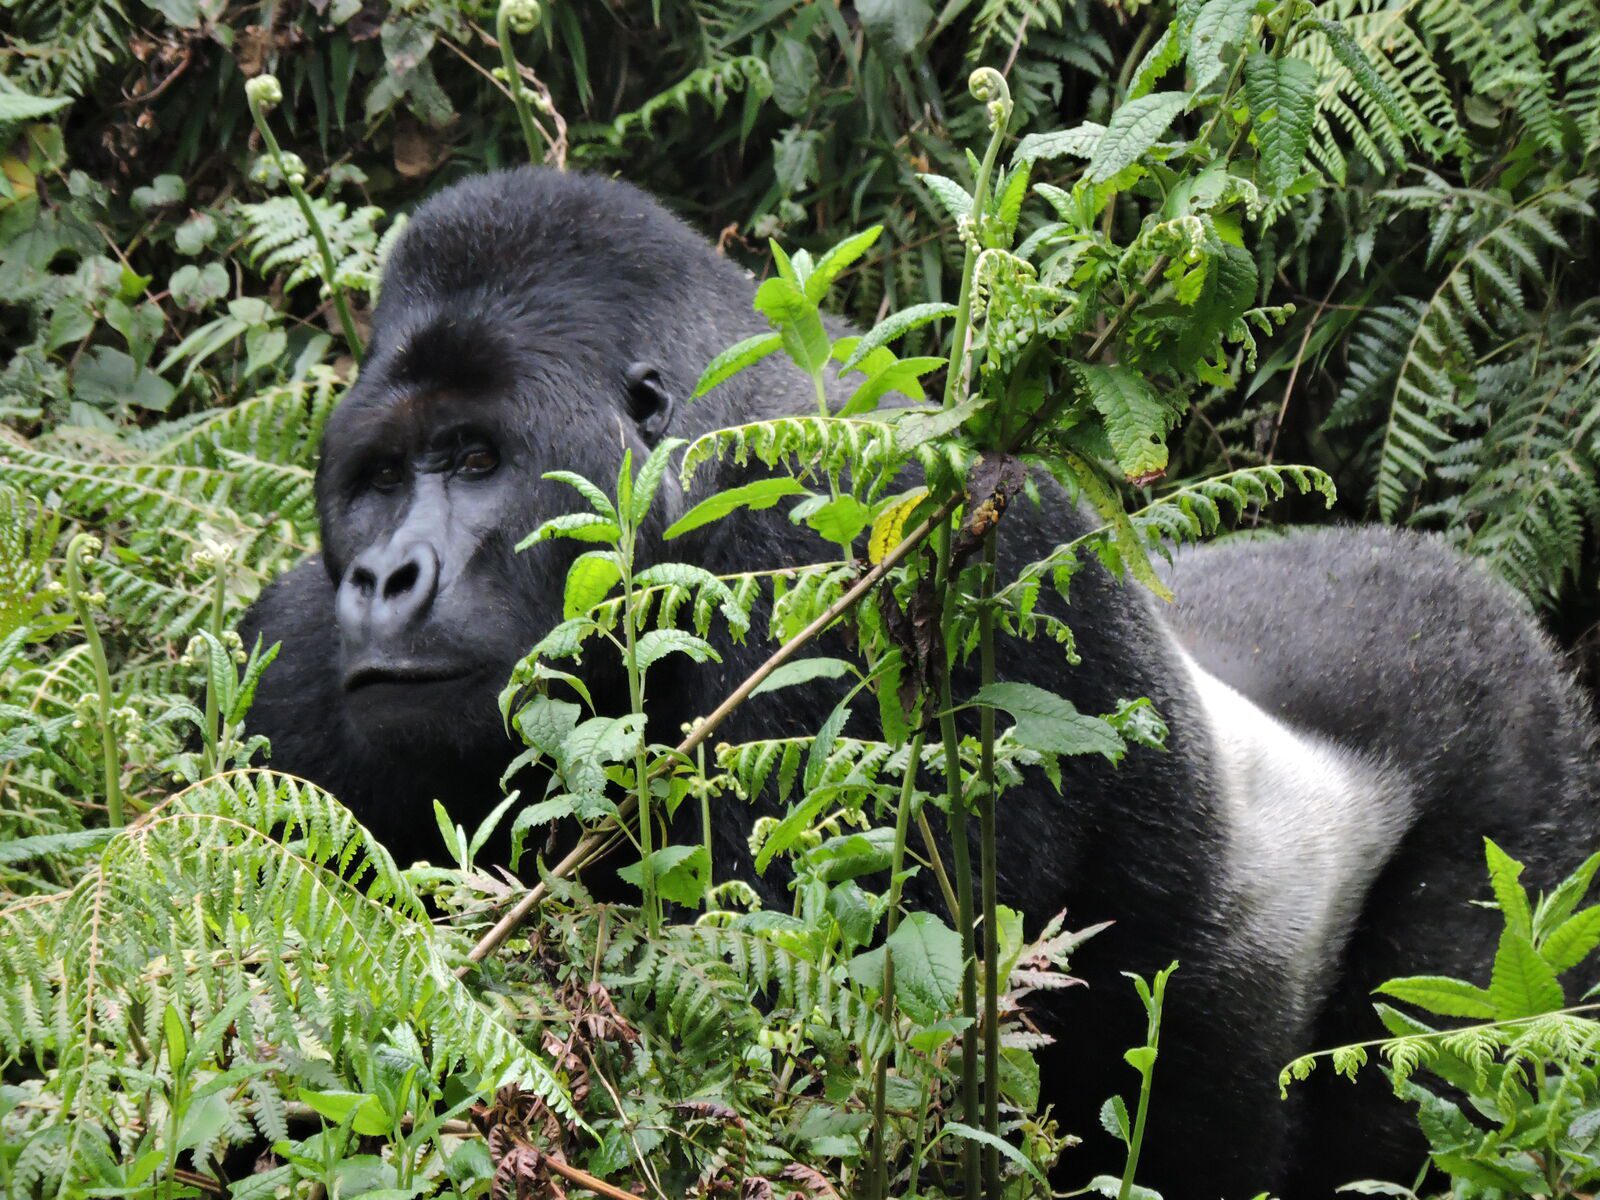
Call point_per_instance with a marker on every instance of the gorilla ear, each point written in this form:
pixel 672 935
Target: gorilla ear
pixel 649 403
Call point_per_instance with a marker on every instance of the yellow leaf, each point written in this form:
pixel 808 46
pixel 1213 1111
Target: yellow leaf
pixel 891 524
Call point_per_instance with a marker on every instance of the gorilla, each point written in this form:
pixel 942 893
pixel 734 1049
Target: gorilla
pixel 1351 711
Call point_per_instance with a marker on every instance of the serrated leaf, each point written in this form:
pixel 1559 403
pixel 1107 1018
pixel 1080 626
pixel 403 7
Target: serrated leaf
pixel 802 670
pixel 1133 129
pixel 1441 995
pixel 577 527
pixel 1509 894
pixel 649 480
pixel 901 375
pixel 890 524
pixel 1567 895
pixel 17 107
pixel 840 520
pixel 589 580
pixel 836 260
pixel 681 873
pixel 1523 984
pixel 659 643
pixel 1078 142
pixel 598 500
pixel 1228 289
pixel 1218 27
pixel 955 199
pixel 893 326
pixel 915 426
pixel 1354 59
pixel 1050 723
pixel 927 967
pixel 1166 53
pixel 1114 1119
pixel 1282 94
pixel 1136 418
pixel 762 494
pixel 1572 941
pixel 735 359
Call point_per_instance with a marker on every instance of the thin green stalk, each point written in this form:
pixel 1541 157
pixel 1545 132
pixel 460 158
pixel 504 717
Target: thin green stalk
pixel 518 16
pixel 81 547
pixel 264 93
pixel 705 823
pixel 986 826
pixel 641 776
pixel 902 823
pixel 213 752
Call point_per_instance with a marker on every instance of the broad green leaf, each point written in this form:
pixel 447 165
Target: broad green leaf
pixel 893 326
pixel 577 527
pixel 913 426
pixel 836 260
pixel 1441 995
pixel 955 199
pixel 1166 53
pixel 1572 941
pixel 983 1137
pixel 1049 723
pixel 840 520
pixel 1008 199
pixel 1509 894
pixel 896 26
pixel 365 1113
pixel 1079 142
pixel 927 967
pixel 1523 984
pixel 659 643
pixel 1108 504
pixel 598 500
pixel 649 480
pixel 1568 894
pixel 797 320
pixel 1228 288
pixel 764 493
pixel 589 581
pixel 902 375
pixel 594 743
pixel 1136 418
pixel 14 106
pixel 1282 93
pixel 803 670
pixel 1141 1058
pixel 1114 1119
pixel 735 359
pixel 176 1031
pixel 544 722
pixel 1219 26
pixel 681 873
pixel 1133 129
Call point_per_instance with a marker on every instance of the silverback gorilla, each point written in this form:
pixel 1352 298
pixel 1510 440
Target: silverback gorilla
pixel 1351 711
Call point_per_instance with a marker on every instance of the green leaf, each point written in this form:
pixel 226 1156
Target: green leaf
pixel 1229 287
pixel 950 194
pixel 1366 77
pixel 658 643
pixel 893 326
pixel 897 26
pixel 364 1112
pixel 797 320
pixel 804 670
pixel 598 500
pixel 589 581
pixel 927 967
pixel 544 722
pixel 901 375
pixel 1049 723
pixel 1133 129
pixel 1137 419
pixel 1079 142
pixel 1568 894
pixel 176 1031
pixel 840 520
pixel 1510 895
pixel 1141 1058
pixel 649 480
pixel 762 494
pixel 681 873
pixel 914 426
pixel 1114 1119
pixel 1442 995
pixel 836 260
pixel 1282 93
pixel 14 106
pixel 1571 942
pixel 1219 26
pixel 1165 54
pixel 577 527
pixel 988 1139
pixel 735 359
pixel 1523 984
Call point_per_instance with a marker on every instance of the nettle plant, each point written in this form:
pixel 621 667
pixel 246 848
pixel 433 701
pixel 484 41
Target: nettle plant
pixel 1077 339
pixel 1511 1106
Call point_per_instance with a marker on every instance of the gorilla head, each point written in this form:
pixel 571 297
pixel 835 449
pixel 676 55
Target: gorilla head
pixel 515 335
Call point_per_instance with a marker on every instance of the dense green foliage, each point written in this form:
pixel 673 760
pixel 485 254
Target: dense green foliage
pixel 1231 234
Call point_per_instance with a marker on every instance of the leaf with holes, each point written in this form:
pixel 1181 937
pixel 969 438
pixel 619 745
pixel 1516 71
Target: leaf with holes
pixel 1136 418
pixel 1282 93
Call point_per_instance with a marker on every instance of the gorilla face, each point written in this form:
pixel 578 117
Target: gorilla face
pixel 424 495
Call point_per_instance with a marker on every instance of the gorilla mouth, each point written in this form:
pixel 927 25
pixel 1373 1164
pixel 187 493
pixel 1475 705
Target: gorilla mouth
pixel 372 674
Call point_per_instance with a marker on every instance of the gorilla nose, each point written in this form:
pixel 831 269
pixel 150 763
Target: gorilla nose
pixel 387 590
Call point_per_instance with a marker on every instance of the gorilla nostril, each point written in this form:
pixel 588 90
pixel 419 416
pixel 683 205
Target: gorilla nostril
pixel 401 581
pixel 363 580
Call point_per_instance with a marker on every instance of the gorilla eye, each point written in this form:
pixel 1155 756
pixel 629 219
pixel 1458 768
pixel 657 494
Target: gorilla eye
pixel 477 461
pixel 386 477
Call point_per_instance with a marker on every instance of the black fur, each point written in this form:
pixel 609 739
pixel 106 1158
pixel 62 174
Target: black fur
pixel 568 318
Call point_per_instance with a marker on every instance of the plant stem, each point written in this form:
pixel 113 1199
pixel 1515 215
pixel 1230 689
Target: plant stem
pixel 213 733
pixel 986 825
pixel 902 823
pixel 324 250
pixel 647 881
pixel 79 548
pixel 502 33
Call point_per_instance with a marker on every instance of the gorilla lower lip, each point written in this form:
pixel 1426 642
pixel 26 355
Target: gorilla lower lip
pixel 403 673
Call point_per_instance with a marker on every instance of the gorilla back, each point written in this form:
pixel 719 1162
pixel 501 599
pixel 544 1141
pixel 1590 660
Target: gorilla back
pixel 1312 826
